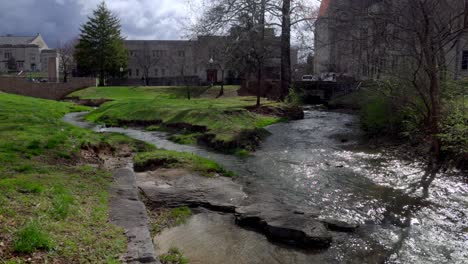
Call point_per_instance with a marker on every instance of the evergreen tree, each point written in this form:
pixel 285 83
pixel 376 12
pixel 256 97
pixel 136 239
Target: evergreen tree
pixel 100 50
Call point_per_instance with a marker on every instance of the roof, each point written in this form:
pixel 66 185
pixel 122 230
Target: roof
pixel 16 40
pixel 324 6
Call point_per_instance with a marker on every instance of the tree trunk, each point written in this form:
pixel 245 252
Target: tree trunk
pixel 221 92
pixel 65 76
pixel 285 49
pixel 259 83
pixel 101 78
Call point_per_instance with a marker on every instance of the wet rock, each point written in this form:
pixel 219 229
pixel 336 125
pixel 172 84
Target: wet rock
pixel 283 225
pixel 127 211
pixel 339 226
pixel 188 189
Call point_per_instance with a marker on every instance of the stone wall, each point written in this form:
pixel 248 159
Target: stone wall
pixel 54 91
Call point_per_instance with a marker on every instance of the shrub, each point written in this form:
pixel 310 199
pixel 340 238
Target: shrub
pixel 454 127
pixel 30 238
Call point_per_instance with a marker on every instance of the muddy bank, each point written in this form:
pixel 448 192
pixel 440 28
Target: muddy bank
pixel 87 102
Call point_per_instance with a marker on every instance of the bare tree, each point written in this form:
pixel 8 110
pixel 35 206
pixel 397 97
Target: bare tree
pixel 11 64
pixel 146 59
pixel 403 39
pixel 67 62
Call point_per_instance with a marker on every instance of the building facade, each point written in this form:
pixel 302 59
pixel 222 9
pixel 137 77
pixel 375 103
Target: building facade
pixel 351 38
pixel 206 59
pixel 29 53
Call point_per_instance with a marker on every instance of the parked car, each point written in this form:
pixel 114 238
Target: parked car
pixel 309 78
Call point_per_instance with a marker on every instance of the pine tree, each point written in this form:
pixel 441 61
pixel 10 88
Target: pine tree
pixel 100 50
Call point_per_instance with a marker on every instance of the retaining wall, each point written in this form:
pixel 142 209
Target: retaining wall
pixel 48 90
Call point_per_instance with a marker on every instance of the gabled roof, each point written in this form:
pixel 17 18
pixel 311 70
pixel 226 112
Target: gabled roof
pixel 324 6
pixel 16 40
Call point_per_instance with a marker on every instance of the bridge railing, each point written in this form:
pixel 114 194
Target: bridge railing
pixel 326 90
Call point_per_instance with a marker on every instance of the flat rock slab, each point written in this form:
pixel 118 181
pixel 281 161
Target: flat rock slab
pixel 127 211
pixel 174 188
pixel 284 225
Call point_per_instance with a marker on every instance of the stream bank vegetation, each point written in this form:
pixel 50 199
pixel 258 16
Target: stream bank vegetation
pixel 228 124
pixel 389 109
pixel 55 192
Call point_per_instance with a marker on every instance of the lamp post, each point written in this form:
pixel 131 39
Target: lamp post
pixel 211 61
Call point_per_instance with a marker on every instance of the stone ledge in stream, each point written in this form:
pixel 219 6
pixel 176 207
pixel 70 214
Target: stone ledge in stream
pixel 178 187
pixel 283 225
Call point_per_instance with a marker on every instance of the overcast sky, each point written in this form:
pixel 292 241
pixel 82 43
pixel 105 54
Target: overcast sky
pixel 60 20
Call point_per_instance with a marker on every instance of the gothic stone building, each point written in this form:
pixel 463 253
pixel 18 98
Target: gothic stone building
pixel 30 53
pixel 345 41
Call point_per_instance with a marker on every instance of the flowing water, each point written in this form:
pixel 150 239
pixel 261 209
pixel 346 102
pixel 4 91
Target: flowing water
pixel 407 214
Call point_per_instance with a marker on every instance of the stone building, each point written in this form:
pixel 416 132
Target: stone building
pixel 351 40
pixel 30 53
pixel 202 61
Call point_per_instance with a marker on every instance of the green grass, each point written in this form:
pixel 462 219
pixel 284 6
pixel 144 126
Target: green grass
pixel 49 200
pixel 32 237
pixel 180 214
pixel 226 118
pixel 174 256
pixel 161 158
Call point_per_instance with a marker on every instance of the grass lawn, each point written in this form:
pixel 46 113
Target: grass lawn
pixel 52 208
pixel 226 118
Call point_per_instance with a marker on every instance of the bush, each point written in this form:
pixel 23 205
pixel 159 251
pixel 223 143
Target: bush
pixel 454 127
pixel 174 256
pixel 295 96
pixel 30 238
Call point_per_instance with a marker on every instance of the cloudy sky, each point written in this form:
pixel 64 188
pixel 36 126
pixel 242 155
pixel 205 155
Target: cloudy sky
pixel 59 20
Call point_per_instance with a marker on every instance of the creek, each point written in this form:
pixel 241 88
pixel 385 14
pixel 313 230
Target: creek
pixel 320 164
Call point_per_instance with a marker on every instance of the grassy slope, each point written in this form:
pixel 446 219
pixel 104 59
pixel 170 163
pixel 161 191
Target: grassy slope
pixel 44 195
pixel 224 117
pixel 173 159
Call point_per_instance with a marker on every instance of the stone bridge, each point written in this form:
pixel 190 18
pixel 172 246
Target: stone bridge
pixel 321 91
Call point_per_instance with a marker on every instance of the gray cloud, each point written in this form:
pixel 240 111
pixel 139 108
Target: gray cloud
pixel 60 20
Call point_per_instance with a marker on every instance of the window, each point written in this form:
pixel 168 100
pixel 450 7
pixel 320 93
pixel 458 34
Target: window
pixel 163 72
pixel 155 72
pixel 158 53
pixel 20 64
pixel 7 55
pixel 465 60
pixel 195 70
pixel 129 72
pixel 181 53
pixel 33 67
pixel 137 72
pixel 33 58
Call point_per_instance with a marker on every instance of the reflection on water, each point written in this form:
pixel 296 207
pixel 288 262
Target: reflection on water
pixel 313 164
pixel 210 238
